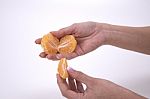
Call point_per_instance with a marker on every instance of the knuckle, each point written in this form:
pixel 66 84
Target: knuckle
pixel 74 24
pixel 69 57
pixel 79 75
pixel 62 31
pixel 90 22
pixel 98 81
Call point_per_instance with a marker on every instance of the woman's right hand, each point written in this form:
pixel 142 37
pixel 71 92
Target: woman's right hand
pixel 89 36
pixel 95 88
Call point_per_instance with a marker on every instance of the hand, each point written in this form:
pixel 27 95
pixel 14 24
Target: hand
pixel 96 88
pixel 89 36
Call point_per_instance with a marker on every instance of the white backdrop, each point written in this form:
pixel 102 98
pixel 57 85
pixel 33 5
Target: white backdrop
pixel 24 75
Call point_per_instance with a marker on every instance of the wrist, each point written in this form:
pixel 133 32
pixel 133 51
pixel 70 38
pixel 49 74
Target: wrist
pixel 105 30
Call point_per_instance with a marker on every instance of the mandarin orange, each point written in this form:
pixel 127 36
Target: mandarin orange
pixel 67 44
pixel 62 68
pixel 49 44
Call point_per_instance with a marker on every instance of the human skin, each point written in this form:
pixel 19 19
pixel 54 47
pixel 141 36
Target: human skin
pixel 91 35
pixel 96 88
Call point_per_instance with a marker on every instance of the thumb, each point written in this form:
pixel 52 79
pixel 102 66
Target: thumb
pixel 80 76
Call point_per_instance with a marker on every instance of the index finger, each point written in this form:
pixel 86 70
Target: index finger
pixel 64 31
pixel 64 88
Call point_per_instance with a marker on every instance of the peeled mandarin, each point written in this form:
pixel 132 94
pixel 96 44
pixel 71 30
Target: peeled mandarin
pixel 62 68
pixel 52 45
pixel 67 44
pixel 49 44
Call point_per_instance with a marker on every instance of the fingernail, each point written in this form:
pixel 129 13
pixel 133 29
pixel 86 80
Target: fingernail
pixel 70 69
pixel 41 55
pixel 48 56
pixel 58 56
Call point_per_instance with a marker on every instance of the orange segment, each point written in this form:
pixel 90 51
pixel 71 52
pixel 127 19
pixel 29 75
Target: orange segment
pixel 49 44
pixel 67 44
pixel 62 68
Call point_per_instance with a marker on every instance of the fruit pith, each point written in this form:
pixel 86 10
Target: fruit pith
pixel 52 45
pixel 49 44
pixel 62 68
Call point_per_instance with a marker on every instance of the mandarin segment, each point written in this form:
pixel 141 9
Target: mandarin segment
pixel 67 44
pixel 62 68
pixel 49 44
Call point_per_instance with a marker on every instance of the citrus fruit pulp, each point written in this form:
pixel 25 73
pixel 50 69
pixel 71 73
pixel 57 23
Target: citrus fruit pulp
pixel 49 44
pixel 62 68
pixel 52 45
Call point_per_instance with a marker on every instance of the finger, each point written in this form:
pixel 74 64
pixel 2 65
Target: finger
pixel 52 57
pixel 62 82
pixel 64 88
pixel 38 41
pixel 80 77
pixel 79 86
pixel 43 55
pixel 72 85
pixel 79 51
pixel 68 56
pixel 64 31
